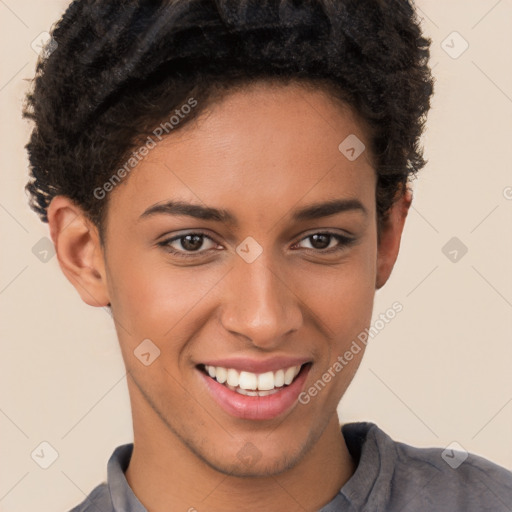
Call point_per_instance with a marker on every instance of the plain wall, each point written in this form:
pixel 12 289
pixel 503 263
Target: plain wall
pixel 439 372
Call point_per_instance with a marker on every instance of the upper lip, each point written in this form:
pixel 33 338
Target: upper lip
pixel 257 365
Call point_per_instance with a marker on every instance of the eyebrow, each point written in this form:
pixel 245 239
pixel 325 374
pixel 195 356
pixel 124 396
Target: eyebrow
pixel 310 212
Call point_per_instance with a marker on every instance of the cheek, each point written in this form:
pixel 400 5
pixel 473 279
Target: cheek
pixel 342 295
pixel 342 300
pixel 150 297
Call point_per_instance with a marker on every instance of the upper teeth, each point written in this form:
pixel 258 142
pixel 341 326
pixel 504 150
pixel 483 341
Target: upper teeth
pixel 248 380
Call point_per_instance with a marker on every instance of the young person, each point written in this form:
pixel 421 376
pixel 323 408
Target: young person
pixel 231 180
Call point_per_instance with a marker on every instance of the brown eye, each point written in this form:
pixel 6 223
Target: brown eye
pixel 320 241
pixel 191 242
pixel 187 245
pixel 323 242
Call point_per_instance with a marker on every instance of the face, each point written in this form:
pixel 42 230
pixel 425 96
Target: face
pixel 253 284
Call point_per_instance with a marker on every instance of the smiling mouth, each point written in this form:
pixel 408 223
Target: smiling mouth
pixel 254 384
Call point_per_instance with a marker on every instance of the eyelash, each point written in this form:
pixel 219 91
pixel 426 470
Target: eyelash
pixel 344 242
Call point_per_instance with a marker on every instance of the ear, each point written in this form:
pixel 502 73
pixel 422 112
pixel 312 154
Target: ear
pixel 78 250
pixel 390 236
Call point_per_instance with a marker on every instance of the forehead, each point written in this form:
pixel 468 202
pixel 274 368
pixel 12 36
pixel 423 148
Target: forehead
pixel 259 149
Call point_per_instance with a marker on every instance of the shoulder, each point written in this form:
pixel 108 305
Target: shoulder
pixel 392 475
pixel 445 479
pixel 98 499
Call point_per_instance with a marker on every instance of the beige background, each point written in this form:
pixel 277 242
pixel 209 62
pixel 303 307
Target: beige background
pixel 439 372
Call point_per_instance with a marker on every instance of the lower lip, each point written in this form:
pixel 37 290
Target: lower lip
pixel 256 407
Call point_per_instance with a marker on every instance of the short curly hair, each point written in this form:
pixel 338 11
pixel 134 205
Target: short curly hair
pixel 121 67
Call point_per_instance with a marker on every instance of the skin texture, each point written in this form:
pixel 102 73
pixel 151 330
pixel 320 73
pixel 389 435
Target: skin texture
pixel 260 153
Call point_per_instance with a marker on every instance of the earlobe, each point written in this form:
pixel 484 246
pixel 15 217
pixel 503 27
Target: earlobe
pixel 390 237
pixel 79 251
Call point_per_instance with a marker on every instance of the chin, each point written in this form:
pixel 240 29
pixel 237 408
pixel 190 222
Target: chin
pixel 264 467
pixel 250 462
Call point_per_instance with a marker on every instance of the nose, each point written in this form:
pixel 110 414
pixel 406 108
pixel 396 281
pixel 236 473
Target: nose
pixel 259 304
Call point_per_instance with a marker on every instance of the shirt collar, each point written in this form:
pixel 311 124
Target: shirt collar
pixel 123 498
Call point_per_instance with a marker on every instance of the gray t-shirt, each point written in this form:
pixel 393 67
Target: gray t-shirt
pixel 390 477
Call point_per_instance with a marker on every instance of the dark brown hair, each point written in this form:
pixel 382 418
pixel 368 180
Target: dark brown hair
pixel 119 68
